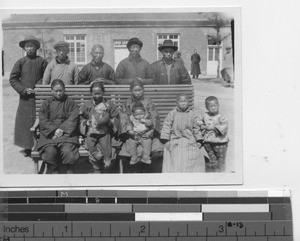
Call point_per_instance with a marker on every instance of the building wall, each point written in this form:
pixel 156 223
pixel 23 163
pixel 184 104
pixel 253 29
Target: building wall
pixel 190 38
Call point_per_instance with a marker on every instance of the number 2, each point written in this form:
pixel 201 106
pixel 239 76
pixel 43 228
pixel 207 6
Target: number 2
pixel 143 229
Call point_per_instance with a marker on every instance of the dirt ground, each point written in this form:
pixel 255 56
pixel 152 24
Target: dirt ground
pixel 15 163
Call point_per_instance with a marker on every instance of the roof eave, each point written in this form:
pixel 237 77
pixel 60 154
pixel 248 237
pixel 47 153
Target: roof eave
pixel 107 24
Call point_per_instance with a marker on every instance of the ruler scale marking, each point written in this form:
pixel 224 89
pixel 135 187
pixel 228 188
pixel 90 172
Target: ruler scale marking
pixel 225 217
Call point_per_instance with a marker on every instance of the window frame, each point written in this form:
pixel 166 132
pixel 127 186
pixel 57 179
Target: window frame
pixel 214 47
pixel 75 41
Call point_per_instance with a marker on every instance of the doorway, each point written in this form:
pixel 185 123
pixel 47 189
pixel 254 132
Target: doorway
pixel 120 51
pixel 213 55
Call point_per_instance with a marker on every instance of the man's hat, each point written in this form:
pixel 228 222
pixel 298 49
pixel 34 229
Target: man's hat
pixel 30 39
pixel 61 44
pixel 168 43
pixel 133 41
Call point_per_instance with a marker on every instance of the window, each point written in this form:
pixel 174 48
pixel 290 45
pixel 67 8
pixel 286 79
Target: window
pixel 162 37
pixel 213 50
pixel 77 52
pixel 213 53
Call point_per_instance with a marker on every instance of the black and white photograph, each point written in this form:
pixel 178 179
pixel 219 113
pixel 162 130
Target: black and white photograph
pixel 132 96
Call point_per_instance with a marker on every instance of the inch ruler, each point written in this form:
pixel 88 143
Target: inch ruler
pixel 90 215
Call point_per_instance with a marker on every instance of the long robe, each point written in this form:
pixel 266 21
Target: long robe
pixel 26 73
pixel 62 114
pixel 181 153
pixel 195 66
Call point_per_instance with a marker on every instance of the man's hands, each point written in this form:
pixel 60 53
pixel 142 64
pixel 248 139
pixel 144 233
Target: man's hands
pixel 30 91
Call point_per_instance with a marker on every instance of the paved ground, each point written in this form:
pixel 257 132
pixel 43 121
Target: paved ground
pixel 16 163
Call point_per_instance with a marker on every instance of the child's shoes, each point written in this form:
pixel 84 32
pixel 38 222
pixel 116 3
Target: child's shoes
pixel 134 160
pixel 146 159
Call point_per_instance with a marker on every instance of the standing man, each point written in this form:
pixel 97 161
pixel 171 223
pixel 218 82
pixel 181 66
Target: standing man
pixel 26 73
pixel 134 66
pixel 195 67
pixel 167 71
pixel 97 69
pixel 61 67
pixel 227 71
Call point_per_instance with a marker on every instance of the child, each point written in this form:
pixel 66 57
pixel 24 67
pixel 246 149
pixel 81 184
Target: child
pixel 141 136
pixel 179 134
pixel 214 128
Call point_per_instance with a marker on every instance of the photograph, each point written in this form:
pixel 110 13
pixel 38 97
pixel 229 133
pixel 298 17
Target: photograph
pixel 137 97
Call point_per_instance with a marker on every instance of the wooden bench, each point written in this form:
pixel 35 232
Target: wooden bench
pixel 164 97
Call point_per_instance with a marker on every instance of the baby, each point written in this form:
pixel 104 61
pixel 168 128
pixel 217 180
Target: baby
pixel 141 135
pixel 214 128
pixel 100 112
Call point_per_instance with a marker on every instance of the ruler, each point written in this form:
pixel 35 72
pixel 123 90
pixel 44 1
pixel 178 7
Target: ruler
pixel 108 215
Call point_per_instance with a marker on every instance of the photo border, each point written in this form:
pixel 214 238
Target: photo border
pixel 153 179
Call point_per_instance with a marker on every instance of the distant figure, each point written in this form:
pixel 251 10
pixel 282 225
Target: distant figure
pixel 195 67
pixel 177 57
pixel 134 66
pixel 61 67
pixel 26 73
pixel 227 71
pixel 167 71
pixel 97 69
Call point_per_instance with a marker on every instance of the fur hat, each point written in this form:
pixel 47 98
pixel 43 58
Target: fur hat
pixel 138 106
pixel 133 41
pixel 136 82
pixel 30 39
pixel 168 43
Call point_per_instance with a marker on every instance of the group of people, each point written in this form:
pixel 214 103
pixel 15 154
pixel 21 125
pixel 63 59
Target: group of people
pixel 135 128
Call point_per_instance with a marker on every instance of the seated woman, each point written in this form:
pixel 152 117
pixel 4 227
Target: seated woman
pixel 126 135
pixel 58 144
pixel 99 117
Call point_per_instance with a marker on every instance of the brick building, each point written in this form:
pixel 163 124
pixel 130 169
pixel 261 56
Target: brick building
pixel 112 30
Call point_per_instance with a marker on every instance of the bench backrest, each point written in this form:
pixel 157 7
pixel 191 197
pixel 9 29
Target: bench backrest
pixel 164 96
